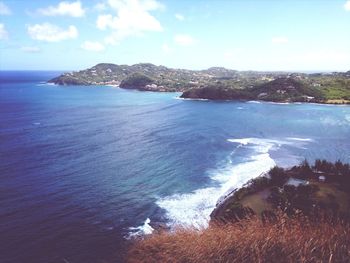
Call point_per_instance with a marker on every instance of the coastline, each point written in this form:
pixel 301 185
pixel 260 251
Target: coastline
pixel 266 102
pixel 330 102
pixel 194 209
pixel 218 84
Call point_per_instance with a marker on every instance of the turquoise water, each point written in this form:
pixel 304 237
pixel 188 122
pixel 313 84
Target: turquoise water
pixel 82 169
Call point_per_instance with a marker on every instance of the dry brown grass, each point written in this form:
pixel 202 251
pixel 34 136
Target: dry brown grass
pixel 286 240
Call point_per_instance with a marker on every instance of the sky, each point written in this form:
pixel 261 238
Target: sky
pixel 297 35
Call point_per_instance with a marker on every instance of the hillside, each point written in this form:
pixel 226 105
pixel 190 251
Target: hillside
pixel 323 187
pixel 163 78
pixel 297 215
pixel 218 83
pixel 287 240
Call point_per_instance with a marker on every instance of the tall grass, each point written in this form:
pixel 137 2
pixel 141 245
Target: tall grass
pixel 297 239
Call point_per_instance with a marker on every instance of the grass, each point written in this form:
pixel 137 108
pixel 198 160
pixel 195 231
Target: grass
pixel 337 101
pixel 257 201
pixel 297 239
pixel 328 193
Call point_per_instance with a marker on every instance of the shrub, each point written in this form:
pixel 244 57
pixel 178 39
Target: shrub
pixel 278 176
pixel 296 239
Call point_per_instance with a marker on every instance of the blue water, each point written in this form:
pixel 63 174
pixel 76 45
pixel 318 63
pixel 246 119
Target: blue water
pixel 83 168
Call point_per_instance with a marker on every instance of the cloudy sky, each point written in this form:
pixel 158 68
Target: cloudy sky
pixel 238 34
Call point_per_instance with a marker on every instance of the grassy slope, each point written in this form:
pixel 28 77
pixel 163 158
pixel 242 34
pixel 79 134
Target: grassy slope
pixel 242 231
pixel 286 240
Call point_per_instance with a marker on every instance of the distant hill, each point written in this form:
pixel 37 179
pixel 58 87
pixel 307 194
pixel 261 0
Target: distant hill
pixel 218 83
pixel 283 89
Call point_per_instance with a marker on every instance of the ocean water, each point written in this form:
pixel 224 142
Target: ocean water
pixel 84 169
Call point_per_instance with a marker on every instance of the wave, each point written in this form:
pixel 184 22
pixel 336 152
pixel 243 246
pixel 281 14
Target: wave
pixel 144 229
pixel 46 84
pixel 179 98
pixel 193 209
pixel 300 139
pixel 279 103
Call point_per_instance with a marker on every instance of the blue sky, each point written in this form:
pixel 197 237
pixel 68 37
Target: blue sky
pixel 238 34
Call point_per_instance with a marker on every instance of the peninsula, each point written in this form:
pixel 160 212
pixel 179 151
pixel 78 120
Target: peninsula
pixel 299 214
pixel 218 83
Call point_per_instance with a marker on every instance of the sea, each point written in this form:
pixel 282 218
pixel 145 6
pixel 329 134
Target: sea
pixel 86 169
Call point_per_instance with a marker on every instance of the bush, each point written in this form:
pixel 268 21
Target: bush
pixel 278 176
pixel 297 239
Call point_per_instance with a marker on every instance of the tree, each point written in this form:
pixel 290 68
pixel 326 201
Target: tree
pixel 278 176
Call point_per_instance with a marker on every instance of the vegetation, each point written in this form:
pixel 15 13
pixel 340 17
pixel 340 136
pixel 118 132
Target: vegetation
pixel 136 80
pixel 218 83
pixel 323 187
pixel 295 215
pixel 287 239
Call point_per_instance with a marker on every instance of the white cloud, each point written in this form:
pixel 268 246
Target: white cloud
pixel 92 46
pixel 4 9
pixel 184 40
pixel 166 48
pixel 279 40
pixel 100 7
pixel 179 17
pixel 51 33
pixel 104 21
pixel 3 32
pixel 30 49
pixel 73 9
pixel 347 5
pixel 133 18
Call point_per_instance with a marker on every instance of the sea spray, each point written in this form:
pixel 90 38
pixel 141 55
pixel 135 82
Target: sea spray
pixel 144 229
pixel 194 209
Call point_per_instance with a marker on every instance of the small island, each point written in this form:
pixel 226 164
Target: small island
pixel 218 83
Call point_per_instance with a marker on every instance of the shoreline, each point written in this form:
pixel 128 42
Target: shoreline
pixel 230 178
pixel 263 101
pixel 347 103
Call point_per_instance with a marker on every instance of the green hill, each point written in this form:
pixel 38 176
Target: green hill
pixel 321 188
pixel 218 83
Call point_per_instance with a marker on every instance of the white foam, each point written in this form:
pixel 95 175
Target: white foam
pixel 144 229
pixel 193 209
pixel 46 84
pixel 278 103
pixel 300 139
pixel 179 98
